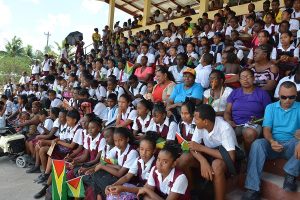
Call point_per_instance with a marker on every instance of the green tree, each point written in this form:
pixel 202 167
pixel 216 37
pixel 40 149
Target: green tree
pixel 29 51
pixel 15 47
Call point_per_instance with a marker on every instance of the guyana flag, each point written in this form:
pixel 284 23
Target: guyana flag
pixel 129 68
pixel 59 186
pixel 160 143
pixel 183 143
pixel 76 188
pixel 106 161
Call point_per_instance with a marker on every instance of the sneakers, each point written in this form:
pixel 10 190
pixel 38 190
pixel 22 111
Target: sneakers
pixel 43 178
pixel 41 193
pixel 251 195
pixel 289 184
pixel 34 169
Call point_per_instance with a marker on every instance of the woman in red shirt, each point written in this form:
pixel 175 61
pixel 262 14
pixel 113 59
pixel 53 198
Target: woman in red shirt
pixel 165 84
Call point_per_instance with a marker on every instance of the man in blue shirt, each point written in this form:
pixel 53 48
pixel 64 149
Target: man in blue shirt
pixel 281 122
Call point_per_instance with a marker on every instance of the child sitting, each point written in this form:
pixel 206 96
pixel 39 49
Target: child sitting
pixel 165 181
pixel 126 114
pixel 138 172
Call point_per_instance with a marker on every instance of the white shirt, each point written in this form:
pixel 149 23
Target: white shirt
pixel 100 110
pixel 159 18
pixel 229 29
pixel 118 91
pixel 140 89
pixel 115 71
pixel 93 143
pixel 100 92
pixel 179 186
pixel 46 65
pixel 112 114
pixel 295 14
pixel 109 152
pixel 150 56
pixel 124 76
pixel 287 78
pixel 271 29
pixel 56 103
pixel 48 124
pixel 202 75
pixel 222 134
pixel 169 39
pixel 142 122
pixel 209 35
pixel 178 76
pixel 294 24
pixel 189 128
pixel 24 79
pixel 219 105
pixel 172 128
pixel 296 51
pixel 35 69
pixel 146 167
pixel 131 156
pixel 102 72
pixel 129 114
pixel 70 134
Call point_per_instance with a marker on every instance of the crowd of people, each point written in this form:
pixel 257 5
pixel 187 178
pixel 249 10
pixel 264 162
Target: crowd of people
pixel 228 86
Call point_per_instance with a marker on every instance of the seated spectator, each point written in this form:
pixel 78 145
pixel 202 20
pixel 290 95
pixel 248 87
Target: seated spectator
pixel 126 113
pixel 265 72
pixel 163 59
pixel 212 132
pixel 293 77
pixel 186 90
pixel 244 104
pixel 203 70
pixel 294 23
pixel 136 89
pixel 177 70
pixel 287 56
pixel 217 94
pixel 296 7
pixel 145 52
pixel 164 87
pixel 233 25
pixel 276 11
pixel 158 17
pixel 269 20
pixel 281 122
pixel 144 73
pixel 156 187
pixel 207 32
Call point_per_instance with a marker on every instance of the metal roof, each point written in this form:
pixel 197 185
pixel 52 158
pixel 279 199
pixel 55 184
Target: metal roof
pixel 136 7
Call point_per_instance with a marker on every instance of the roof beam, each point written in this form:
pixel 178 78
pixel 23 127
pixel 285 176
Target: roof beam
pixel 157 6
pixel 124 9
pixel 177 4
pixel 130 4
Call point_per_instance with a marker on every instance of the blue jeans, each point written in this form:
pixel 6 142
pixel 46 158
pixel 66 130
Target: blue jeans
pixel 261 151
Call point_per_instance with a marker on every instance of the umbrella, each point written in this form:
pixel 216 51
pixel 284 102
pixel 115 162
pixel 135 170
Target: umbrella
pixel 73 37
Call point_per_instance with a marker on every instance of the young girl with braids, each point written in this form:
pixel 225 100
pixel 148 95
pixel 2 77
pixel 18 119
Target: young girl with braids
pixel 165 181
pixel 143 119
pixel 138 172
pixel 107 174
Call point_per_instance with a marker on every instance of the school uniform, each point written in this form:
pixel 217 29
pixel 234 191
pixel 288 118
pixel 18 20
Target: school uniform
pixel 118 91
pixel 114 71
pixel 175 182
pixel 141 88
pixel 166 130
pixel 94 146
pixel 70 135
pixel 112 114
pixel 291 52
pixel 222 134
pixel 102 178
pixel 48 124
pixel 141 125
pixel 178 75
pixel 186 130
pixel 61 128
pixel 123 77
pixel 130 113
pixel 100 110
pixel 57 102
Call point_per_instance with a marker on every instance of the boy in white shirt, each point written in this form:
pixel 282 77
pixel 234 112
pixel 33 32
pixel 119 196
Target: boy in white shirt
pixel 214 132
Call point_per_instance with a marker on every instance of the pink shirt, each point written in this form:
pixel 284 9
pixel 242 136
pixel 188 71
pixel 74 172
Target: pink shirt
pixel 143 74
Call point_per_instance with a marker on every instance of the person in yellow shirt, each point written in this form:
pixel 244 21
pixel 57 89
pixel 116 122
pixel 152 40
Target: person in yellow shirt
pixel 96 38
pixel 277 13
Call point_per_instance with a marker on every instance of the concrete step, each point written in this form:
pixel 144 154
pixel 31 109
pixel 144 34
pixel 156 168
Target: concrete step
pixel 271 188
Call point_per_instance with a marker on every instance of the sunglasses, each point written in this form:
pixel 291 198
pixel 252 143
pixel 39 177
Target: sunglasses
pixel 288 97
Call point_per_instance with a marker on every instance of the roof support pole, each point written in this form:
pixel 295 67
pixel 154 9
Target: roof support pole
pixel 111 14
pixel 203 7
pixel 146 14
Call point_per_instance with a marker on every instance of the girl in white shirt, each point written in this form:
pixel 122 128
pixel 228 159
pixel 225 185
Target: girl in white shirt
pixel 165 181
pixel 139 170
pixel 112 70
pixel 107 174
pixel 127 114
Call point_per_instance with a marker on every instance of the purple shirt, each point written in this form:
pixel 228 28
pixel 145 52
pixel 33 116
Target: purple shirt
pixel 244 106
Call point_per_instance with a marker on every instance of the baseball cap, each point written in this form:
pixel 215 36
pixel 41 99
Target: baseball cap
pixel 190 70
